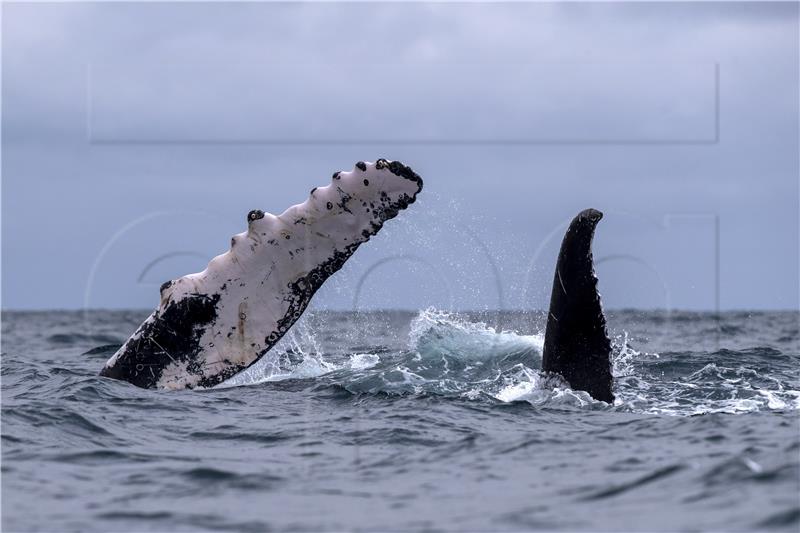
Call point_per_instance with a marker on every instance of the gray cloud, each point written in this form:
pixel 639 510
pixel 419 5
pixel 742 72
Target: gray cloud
pixel 253 71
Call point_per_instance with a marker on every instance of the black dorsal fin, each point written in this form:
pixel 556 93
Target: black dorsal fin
pixel 576 344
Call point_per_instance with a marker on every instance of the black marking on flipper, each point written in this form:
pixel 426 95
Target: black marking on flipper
pixel 576 344
pixel 255 214
pixel 399 169
pixel 344 199
pixel 173 336
pixel 361 166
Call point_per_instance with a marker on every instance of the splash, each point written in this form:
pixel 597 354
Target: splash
pixel 299 355
pixel 447 354
pixel 296 356
pixel 436 332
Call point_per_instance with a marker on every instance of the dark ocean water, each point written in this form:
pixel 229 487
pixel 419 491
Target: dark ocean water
pixel 408 421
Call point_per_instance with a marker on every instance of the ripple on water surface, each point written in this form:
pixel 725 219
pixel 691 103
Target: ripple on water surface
pixel 408 421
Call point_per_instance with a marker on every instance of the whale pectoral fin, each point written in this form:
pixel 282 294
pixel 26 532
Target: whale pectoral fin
pixel 576 344
pixel 211 325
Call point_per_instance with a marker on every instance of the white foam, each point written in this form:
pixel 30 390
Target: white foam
pixel 363 361
pixel 438 332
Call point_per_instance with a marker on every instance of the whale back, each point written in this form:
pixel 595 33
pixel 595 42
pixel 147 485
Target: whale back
pixel 213 324
pixel 576 344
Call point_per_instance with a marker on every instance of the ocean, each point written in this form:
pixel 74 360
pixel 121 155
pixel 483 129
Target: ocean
pixel 398 421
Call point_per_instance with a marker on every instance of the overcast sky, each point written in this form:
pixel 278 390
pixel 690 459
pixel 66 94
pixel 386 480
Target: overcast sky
pixel 136 137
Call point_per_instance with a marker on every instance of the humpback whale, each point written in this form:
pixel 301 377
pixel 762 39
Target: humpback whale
pixel 576 344
pixel 211 325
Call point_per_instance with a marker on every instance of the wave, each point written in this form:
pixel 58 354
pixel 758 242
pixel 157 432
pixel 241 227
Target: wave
pixel 448 354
